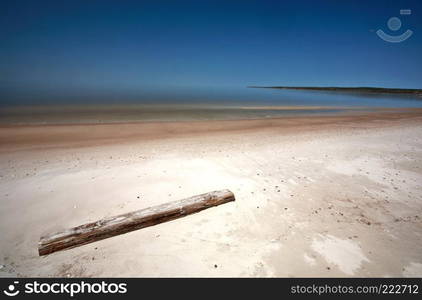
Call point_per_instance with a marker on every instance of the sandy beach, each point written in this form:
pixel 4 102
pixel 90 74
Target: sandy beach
pixel 329 196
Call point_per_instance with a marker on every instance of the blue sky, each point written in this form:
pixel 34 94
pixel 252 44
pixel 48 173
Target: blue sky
pixel 52 48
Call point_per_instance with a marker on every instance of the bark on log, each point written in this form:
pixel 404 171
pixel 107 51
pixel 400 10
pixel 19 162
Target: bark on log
pixel 124 223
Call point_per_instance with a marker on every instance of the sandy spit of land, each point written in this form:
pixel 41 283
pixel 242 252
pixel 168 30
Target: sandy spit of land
pixel 317 196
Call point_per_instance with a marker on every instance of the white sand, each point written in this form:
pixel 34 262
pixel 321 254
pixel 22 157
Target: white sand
pixel 340 199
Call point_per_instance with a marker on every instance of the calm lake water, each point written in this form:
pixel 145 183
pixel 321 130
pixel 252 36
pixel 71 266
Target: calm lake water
pixel 198 104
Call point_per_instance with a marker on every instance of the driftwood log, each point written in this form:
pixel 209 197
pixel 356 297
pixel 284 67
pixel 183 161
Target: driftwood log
pixel 112 226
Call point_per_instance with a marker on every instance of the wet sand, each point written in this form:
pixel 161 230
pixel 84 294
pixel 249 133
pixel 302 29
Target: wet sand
pixel 315 196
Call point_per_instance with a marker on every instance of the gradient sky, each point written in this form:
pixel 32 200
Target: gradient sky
pixel 51 48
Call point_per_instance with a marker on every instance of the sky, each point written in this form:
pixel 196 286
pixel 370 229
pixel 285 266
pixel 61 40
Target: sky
pixel 61 49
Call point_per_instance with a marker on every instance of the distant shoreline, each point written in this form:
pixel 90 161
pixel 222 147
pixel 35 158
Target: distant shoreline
pixel 121 114
pixel 37 136
pixel 371 90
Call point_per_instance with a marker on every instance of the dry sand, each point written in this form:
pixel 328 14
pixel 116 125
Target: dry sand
pixel 318 196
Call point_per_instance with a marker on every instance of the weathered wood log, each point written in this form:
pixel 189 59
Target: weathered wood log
pixel 124 223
